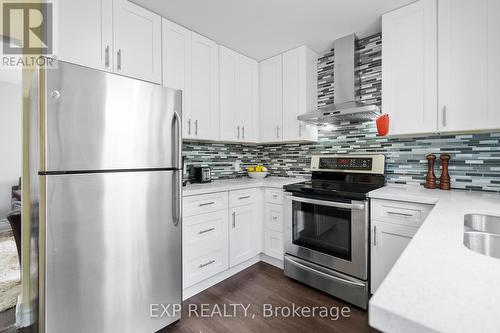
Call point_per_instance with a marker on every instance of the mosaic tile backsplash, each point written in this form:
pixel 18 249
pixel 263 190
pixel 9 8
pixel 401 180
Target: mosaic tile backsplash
pixel 475 158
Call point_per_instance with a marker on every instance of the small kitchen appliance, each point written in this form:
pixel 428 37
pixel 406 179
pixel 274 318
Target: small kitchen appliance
pixel 200 174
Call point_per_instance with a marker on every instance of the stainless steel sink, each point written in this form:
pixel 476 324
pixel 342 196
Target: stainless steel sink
pixel 484 223
pixel 482 234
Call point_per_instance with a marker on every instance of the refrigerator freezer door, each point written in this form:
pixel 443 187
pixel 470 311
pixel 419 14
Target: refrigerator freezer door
pixel 97 120
pixel 112 250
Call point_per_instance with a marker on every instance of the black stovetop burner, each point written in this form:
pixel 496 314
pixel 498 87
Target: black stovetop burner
pixel 341 185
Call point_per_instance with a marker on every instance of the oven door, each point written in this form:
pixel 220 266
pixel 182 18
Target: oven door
pixel 329 233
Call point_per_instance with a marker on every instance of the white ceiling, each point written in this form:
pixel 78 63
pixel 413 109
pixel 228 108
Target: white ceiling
pixel 263 28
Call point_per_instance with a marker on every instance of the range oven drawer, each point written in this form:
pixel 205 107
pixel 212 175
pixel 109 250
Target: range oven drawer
pixel 334 283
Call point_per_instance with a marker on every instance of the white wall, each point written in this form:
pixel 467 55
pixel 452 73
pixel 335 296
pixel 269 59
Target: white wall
pixel 10 140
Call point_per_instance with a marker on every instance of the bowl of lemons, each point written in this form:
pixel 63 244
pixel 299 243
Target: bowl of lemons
pixel 258 171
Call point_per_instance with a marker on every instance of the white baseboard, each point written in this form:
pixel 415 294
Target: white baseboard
pixel 205 284
pixel 271 260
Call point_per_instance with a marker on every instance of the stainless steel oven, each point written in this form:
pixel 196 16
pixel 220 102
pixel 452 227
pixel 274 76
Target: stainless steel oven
pixel 330 233
pixel 327 226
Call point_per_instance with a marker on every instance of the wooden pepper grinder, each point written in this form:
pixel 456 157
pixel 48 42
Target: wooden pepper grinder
pixel 445 177
pixel 430 180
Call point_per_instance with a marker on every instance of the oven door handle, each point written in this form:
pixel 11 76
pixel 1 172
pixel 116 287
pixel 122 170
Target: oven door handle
pixel 329 203
pixel 328 276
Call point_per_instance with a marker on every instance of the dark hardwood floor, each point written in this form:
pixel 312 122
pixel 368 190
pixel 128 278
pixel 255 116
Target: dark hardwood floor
pixel 266 284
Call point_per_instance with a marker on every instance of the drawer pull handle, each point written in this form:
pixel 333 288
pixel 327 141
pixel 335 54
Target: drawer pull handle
pixel 206 264
pixel 206 204
pixel 400 214
pixel 245 197
pixel 205 231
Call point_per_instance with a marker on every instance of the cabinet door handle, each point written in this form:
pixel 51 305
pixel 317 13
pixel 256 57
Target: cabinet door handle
pixel 196 127
pixel 189 126
pixel 206 264
pixel 277 132
pixel 245 197
pixel 106 56
pixel 205 231
pixel 444 116
pixel 243 132
pixel 374 235
pixel 206 204
pixel 275 196
pixel 234 220
pixel 400 214
pixel 119 60
pixel 300 130
pixel 275 218
pixel 238 130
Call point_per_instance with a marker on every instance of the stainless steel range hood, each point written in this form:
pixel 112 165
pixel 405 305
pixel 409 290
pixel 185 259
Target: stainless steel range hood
pixel 347 106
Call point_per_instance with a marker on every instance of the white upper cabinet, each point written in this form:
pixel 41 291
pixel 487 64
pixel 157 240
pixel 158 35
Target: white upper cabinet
pixel 113 35
pixel 238 76
pixel 137 41
pixel 300 93
pixel 228 94
pixel 271 99
pixel 248 92
pixel 409 68
pixel 469 65
pixel 203 121
pixel 176 54
pixel 91 46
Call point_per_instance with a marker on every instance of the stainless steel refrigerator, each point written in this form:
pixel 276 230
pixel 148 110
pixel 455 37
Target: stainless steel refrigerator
pixel 105 160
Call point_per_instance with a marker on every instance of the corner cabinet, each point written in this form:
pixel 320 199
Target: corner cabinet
pixel 113 35
pixel 288 88
pixel 409 68
pixel 238 97
pixel 469 65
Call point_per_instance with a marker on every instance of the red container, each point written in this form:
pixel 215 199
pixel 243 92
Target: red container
pixel 383 125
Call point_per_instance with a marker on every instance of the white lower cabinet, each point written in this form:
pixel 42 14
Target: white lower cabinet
pixel 273 224
pixel 393 225
pixel 205 246
pixel 241 234
pixel 274 244
pixel 388 242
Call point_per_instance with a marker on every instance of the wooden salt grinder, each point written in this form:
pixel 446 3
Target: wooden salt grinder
pixel 445 177
pixel 430 180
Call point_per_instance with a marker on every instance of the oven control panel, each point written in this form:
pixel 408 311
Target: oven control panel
pixel 349 163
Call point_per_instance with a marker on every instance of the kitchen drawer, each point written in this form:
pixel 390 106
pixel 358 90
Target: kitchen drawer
pixel 273 243
pixel 242 197
pixel 200 265
pixel 205 203
pixel 199 229
pixel 274 196
pixel 274 217
pixel 399 212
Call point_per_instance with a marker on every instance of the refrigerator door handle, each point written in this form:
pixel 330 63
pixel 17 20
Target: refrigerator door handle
pixel 177 184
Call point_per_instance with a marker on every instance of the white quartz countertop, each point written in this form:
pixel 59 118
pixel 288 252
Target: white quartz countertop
pixel 237 184
pixel 439 285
